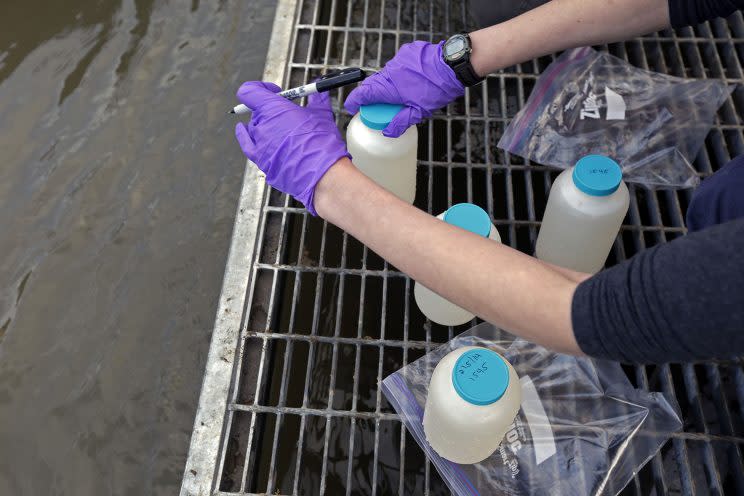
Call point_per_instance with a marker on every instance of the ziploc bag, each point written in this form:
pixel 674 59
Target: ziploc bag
pixel 588 102
pixel 582 427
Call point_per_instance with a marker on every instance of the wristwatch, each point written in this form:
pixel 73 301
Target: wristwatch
pixel 456 53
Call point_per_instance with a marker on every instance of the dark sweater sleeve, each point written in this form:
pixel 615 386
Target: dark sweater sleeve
pixel 690 12
pixel 678 301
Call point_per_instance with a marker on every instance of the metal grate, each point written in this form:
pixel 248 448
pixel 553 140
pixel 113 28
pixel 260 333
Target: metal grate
pixel 310 320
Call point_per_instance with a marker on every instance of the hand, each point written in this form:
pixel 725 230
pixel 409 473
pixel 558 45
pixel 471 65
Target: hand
pixel 294 146
pixel 416 77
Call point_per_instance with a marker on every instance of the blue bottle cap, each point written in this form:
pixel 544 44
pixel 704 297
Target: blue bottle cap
pixel 378 115
pixel 470 217
pixel 480 376
pixel 597 175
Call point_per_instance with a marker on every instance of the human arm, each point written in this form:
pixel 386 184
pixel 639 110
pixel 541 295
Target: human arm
pixel 501 285
pixel 678 301
pixel 561 24
pixel 419 78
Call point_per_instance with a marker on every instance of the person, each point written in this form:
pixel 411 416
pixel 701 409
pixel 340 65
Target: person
pixel 678 301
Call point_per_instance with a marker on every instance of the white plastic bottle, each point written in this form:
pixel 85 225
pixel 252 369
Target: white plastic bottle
pixel 437 309
pixel 586 207
pixel 474 396
pixel 390 162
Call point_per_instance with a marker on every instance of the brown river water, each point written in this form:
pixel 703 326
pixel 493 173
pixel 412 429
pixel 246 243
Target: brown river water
pixel 119 180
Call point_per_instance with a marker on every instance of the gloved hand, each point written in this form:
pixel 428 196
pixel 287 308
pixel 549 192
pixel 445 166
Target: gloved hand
pixel 294 146
pixel 416 77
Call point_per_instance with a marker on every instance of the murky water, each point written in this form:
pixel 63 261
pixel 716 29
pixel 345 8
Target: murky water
pixel 118 183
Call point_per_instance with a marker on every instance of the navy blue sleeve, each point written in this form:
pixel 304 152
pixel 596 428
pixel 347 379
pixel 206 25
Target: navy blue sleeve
pixel 678 301
pixel 690 12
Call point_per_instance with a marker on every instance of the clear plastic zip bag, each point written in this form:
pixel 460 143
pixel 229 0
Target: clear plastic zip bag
pixel 582 428
pixel 588 102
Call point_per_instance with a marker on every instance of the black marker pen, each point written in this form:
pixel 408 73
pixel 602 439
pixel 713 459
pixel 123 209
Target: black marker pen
pixel 327 82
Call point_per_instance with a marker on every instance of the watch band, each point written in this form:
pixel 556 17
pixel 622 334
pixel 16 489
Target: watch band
pixel 466 74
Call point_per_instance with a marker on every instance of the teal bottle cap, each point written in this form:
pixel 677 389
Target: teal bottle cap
pixel 378 115
pixel 470 217
pixel 597 175
pixel 480 376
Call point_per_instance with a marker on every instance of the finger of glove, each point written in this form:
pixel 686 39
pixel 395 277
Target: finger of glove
pixel 402 121
pixel 319 101
pixel 245 141
pixel 361 95
pixel 254 94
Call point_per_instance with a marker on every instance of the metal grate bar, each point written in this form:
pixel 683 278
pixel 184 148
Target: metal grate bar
pixel 302 297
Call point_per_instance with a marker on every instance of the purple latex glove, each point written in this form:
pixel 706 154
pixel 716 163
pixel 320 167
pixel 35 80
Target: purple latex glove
pixel 416 77
pixel 294 146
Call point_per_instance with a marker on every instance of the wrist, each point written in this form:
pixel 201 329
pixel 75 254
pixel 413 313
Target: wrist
pixel 479 55
pixel 456 52
pixel 331 186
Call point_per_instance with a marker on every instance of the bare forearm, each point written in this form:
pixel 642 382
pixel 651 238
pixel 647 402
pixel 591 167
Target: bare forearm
pixel 561 24
pixel 497 283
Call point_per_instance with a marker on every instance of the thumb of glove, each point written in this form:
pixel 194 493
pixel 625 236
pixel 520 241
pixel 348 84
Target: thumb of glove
pixel 404 119
pixel 246 142
pixel 253 94
pixel 320 102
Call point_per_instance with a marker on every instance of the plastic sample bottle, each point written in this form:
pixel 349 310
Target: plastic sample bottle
pixel 474 396
pixel 390 162
pixel 586 207
pixel 437 309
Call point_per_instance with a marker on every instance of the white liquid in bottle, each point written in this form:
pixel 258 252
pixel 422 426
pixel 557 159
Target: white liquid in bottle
pixel 390 162
pixel 437 309
pixel 586 207
pixel 474 395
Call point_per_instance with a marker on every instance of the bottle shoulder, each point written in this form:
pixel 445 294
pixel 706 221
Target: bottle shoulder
pixel 373 141
pixel 569 195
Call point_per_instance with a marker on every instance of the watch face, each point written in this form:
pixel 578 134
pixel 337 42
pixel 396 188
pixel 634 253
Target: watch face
pixel 455 48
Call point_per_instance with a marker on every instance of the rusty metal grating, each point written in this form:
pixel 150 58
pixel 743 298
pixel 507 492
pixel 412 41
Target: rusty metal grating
pixel 310 320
